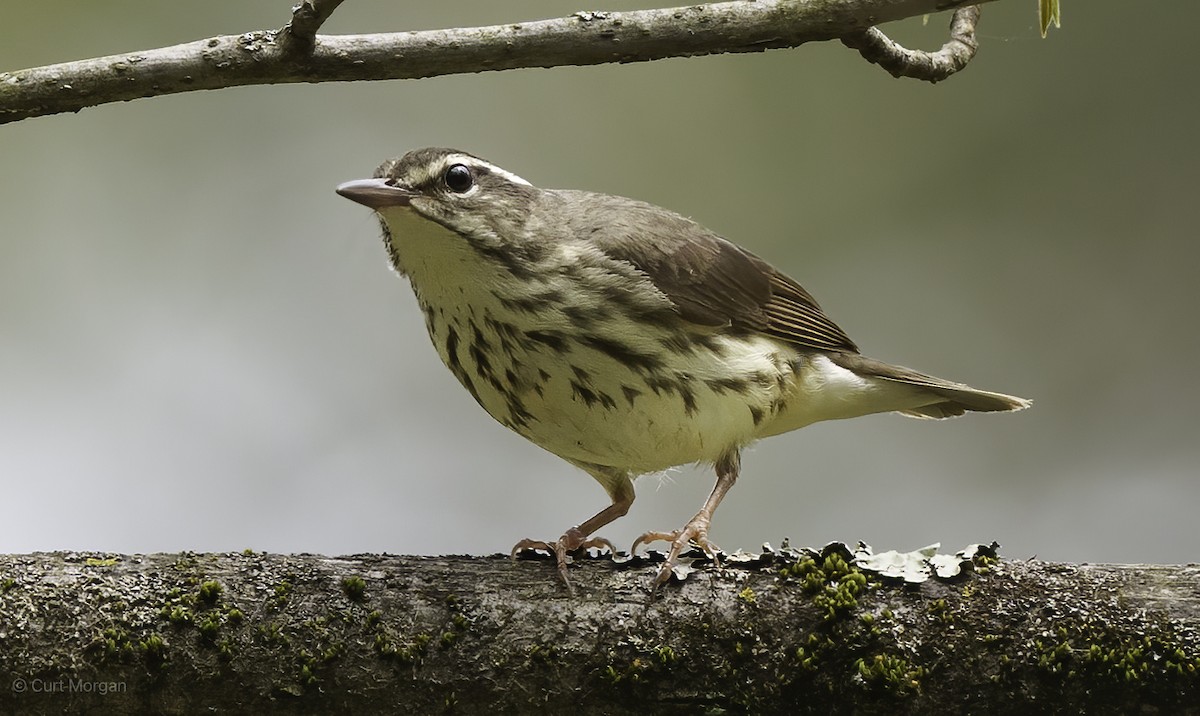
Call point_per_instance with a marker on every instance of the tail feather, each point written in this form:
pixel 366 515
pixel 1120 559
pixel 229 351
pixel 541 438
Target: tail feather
pixel 959 398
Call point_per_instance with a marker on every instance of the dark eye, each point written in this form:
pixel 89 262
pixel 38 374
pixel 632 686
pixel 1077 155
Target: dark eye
pixel 459 178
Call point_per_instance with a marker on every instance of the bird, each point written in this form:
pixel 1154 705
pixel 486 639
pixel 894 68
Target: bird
pixel 623 337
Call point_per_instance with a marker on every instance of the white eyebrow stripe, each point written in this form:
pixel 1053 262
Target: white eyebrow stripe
pixel 477 162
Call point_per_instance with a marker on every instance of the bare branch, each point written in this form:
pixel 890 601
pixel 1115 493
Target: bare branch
pixel 584 38
pixel 879 49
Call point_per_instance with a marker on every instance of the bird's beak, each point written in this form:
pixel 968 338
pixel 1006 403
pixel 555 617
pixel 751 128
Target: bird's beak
pixel 376 193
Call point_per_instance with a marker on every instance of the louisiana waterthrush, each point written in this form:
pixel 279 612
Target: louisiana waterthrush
pixel 623 337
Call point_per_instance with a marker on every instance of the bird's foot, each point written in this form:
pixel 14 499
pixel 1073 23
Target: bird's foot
pixel 695 532
pixel 572 541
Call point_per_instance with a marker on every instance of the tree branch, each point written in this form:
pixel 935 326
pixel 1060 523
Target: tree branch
pixel 585 38
pixel 781 633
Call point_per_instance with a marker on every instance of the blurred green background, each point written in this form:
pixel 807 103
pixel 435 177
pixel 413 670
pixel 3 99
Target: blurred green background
pixel 201 346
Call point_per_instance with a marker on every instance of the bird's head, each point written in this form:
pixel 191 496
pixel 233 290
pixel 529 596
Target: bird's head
pixel 462 192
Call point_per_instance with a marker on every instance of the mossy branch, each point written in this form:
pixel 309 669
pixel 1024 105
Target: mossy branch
pixel 260 633
pixel 296 53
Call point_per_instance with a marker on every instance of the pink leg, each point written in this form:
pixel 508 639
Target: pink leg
pixel 578 537
pixel 696 530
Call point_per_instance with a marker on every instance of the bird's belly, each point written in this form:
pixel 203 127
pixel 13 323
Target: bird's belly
pixel 621 419
pixel 614 395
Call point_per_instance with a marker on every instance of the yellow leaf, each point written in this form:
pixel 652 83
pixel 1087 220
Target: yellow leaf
pixel 1049 12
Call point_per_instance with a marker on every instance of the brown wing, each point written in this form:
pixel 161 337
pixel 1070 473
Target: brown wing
pixel 712 281
pixel 794 315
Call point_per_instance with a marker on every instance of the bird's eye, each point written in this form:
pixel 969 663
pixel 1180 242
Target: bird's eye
pixel 458 178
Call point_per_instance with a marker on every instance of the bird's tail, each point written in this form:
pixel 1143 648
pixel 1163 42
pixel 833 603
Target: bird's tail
pixel 957 398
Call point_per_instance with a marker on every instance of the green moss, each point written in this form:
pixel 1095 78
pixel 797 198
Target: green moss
pixel 178 615
pixel 1111 658
pixel 272 633
pixel 611 675
pixel 355 588
pixel 332 653
pixel 413 648
pixel 631 672
pixel 412 652
pixel 748 596
pixel 890 673
pixel 154 651
pixel 459 623
pixel 283 591
pixel 307 677
pixel 112 644
pixel 833 583
pixel 181 608
pixel 983 562
pixel 665 654
pixel 643 664
pixel 210 592
pixel 810 655
pixel 186 562
pixel 940 611
pixel 7 584
pixel 807 660
pixel 841 598
pixel 542 653
pixel 806 571
pixel 209 626
pixel 310 664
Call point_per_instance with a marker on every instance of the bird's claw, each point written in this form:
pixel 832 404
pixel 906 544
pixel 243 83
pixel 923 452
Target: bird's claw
pixel 571 541
pixel 694 532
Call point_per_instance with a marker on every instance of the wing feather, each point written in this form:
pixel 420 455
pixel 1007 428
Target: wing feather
pixel 711 281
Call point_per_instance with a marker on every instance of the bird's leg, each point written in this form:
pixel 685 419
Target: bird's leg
pixel 696 530
pixel 577 537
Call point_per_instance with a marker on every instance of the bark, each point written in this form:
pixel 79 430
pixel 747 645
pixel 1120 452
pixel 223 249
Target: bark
pixel 787 634
pixel 296 54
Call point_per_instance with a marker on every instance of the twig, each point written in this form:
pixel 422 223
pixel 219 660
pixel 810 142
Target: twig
pixel 879 49
pixel 300 34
